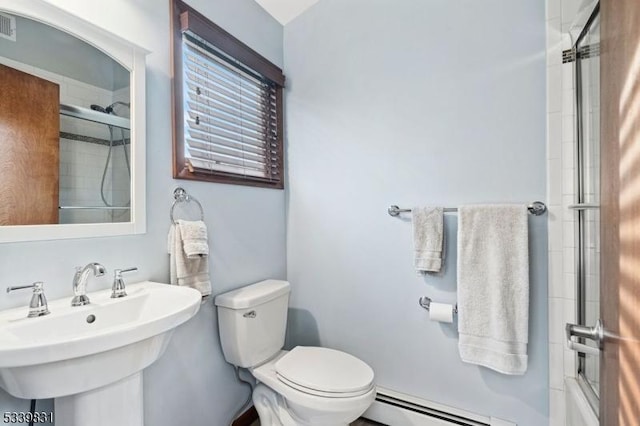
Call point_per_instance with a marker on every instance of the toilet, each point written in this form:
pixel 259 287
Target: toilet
pixel 306 386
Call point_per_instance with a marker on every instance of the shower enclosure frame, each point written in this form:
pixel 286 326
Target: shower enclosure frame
pixel 581 209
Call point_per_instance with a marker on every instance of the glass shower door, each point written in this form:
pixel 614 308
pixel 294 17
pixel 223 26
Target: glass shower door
pixel 588 198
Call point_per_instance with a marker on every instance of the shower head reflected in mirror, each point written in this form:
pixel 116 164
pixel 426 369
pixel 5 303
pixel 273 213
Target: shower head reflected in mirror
pixel 98 108
pixel 109 109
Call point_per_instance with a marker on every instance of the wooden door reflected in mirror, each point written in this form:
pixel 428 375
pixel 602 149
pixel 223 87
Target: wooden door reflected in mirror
pixel 30 132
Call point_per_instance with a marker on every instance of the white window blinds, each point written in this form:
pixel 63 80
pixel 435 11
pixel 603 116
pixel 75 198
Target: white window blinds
pixel 230 116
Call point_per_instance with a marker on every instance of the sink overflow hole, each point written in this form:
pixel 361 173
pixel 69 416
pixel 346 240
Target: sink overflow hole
pixel 91 318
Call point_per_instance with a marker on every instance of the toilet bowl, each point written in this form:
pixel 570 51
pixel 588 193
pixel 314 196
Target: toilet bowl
pixel 307 386
pixel 331 395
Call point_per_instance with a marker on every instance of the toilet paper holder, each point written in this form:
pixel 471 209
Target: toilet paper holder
pixel 425 302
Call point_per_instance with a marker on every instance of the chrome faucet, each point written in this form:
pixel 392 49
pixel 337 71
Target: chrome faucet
pixel 80 297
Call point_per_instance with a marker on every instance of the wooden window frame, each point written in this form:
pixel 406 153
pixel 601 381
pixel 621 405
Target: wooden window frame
pixel 183 18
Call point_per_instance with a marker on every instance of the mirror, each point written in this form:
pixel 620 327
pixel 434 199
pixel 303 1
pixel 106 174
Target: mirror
pixel 45 69
pixel 71 127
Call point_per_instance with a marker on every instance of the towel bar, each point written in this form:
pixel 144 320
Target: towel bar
pixel 537 208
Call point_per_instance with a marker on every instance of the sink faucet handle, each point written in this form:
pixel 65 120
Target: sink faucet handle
pixel 38 305
pixel 118 288
pixel 37 284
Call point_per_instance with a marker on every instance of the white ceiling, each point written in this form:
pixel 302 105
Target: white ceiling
pixel 285 10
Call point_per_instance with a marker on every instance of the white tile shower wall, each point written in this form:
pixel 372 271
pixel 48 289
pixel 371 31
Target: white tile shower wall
pixel 81 166
pixel 121 175
pixel 82 163
pixel 569 9
pixel 561 193
pixel 121 191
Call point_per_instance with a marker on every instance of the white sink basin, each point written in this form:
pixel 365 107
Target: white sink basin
pixel 75 350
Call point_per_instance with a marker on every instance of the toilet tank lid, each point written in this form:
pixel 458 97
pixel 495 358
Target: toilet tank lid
pixel 253 295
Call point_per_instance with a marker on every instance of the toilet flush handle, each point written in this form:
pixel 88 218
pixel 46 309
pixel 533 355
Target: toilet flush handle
pixel 250 314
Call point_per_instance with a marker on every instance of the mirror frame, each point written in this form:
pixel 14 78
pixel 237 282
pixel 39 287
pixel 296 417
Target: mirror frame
pixel 130 56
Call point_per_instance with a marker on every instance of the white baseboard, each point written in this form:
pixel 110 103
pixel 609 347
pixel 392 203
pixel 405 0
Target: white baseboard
pixel 397 409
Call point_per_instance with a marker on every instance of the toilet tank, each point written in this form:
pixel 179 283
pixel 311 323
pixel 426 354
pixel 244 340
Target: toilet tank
pixel 252 322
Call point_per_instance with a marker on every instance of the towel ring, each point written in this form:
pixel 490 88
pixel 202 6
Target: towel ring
pixel 181 196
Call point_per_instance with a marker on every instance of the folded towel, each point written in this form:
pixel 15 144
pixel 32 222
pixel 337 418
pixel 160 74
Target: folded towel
pixel 427 238
pixel 493 286
pixel 194 238
pixel 191 272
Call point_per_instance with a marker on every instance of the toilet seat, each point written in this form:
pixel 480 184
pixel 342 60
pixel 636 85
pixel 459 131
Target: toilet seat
pixel 295 406
pixel 320 393
pixel 324 372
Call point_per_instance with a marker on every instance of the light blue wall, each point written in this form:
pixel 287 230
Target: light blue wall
pixel 45 47
pixel 411 102
pixel 191 384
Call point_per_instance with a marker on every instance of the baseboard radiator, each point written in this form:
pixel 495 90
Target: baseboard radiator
pixel 397 409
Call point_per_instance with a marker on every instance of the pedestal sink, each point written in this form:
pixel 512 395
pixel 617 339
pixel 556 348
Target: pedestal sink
pixel 90 358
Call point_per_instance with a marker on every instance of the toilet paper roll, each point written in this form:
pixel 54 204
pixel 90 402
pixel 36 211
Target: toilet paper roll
pixel 441 312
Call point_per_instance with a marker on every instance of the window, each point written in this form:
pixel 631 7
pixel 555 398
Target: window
pixel 227 102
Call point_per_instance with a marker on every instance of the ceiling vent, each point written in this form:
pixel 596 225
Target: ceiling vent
pixel 8 27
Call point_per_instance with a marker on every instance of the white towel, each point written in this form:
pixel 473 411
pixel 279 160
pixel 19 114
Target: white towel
pixel 194 238
pixel 427 238
pixel 191 272
pixel 493 286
